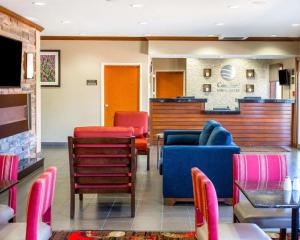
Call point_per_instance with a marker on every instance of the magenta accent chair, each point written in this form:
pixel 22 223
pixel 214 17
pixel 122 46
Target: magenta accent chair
pixel 263 168
pixel 139 122
pixel 9 171
pixel 207 215
pixel 38 223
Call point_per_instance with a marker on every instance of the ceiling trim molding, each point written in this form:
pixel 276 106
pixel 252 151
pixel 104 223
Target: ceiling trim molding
pixel 93 38
pixel 21 18
pixel 168 38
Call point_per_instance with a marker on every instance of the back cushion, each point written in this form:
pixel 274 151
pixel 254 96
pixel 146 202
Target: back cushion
pixel 97 131
pixel 207 130
pixel 132 119
pixel 220 136
pixel 183 139
pixel 138 132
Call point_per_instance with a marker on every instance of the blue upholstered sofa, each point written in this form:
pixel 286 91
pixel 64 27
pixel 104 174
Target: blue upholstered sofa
pixel 210 150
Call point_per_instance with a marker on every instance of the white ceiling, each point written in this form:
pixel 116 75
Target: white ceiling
pixel 256 18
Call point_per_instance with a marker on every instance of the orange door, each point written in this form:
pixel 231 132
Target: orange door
pixel 121 90
pixel 169 84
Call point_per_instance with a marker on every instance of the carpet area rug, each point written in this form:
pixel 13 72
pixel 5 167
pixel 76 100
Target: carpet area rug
pixel 247 149
pixel 122 235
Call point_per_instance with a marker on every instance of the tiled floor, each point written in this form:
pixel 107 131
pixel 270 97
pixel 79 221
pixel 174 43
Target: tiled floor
pixel 110 212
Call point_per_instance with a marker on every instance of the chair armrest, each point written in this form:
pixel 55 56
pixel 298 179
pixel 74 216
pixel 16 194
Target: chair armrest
pixel 181 132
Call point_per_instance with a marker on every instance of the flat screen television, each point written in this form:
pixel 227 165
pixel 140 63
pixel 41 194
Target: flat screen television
pixel 284 77
pixel 10 62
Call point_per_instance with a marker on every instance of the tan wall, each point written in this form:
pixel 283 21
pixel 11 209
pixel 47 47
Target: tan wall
pixel 208 48
pixel 75 103
pixel 165 64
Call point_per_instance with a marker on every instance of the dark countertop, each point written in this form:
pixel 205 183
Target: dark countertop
pixel 222 111
pixel 179 100
pixel 242 100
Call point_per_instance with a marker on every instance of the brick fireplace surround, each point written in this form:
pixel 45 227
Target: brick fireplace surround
pixel 25 144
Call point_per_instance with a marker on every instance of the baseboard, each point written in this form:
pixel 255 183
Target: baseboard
pixel 54 144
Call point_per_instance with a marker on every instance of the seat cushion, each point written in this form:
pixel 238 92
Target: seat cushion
pixel 17 231
pixel 6 213
pixel 263 217
pixel 183 139
pixel 220 136
pixel 141 144
pixel 239 231
pixel 207 130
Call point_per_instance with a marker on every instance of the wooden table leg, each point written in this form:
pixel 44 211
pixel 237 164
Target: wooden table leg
pixel 295 223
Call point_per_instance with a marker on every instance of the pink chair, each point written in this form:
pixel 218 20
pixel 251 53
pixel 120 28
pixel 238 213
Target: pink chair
pixel 9 171
pixel 38 223
pixel 139 122
pixel 264 168
pixel 207 215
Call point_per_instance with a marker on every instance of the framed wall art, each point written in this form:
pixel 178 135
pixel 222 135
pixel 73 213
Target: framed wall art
pixel 50 68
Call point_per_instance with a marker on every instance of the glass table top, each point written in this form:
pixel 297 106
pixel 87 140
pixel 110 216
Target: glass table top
pixel 269 194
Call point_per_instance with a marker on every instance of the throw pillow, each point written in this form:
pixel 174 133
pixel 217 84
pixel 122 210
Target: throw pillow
pixel 220 136
pixel 207 130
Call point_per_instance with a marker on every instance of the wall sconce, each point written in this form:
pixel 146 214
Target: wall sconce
pixel 206 87
pixel 250 73
pixel 249 88
pixel 207 72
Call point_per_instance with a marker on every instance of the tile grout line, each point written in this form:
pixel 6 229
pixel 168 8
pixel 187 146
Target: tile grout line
pixel 162 215
pixel 137 207
pixel 108 214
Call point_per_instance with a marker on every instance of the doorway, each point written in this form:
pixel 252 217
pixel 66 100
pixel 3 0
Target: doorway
pixel 121 90
pixel 169 84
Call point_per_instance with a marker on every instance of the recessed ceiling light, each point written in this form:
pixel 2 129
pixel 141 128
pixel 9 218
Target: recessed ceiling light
pixel 32 19
pixel 273 35
pixel 220 24
pixel 143 23
pixel 39 3
pixel 233 6
pixel 136 5
pixel 65 21
pixel 259 2
pixel 295 24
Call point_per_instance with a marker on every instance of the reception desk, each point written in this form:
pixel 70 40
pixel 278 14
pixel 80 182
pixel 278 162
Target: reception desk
pixel 267 122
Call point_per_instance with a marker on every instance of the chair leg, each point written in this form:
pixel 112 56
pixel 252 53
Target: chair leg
pixel 133 203
pixel 12 220
pixel 80 196
pixel 72 205
pixel 148 159
pixel 235 219
pixel 282 235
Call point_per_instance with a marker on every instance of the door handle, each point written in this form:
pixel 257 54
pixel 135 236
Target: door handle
pixel 106 105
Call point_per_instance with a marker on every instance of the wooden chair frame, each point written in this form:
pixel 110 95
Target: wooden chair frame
pixel 80 154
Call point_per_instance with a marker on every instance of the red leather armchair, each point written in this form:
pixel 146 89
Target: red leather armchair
pixel 139 122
